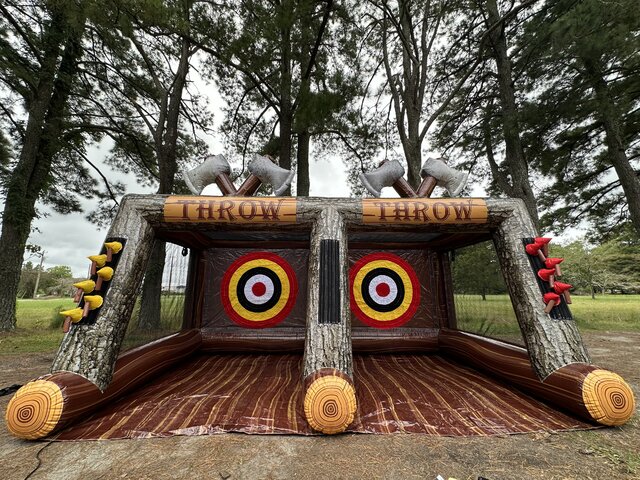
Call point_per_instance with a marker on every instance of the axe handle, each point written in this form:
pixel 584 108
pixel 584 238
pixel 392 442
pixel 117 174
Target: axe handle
pixel 225 184
pixel 403 188
pixel 426 187
pixel 249 187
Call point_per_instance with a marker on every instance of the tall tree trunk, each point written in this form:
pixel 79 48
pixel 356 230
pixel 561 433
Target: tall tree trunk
pixel 286 106
pixel 412 100
pixel 515 158
pixel 413 104
pixel 304 140
pixel 413 155
pixel 616 144
pixel 29 178
pixel 302 125
pixel 150 315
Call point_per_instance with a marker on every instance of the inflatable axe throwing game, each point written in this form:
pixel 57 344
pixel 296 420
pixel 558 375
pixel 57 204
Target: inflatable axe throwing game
pixel 318 315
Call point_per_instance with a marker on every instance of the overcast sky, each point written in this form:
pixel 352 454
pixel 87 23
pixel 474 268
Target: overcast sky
pixel 69 239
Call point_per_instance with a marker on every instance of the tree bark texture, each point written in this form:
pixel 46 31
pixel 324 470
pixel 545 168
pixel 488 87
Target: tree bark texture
pixel 616 144
pixel 551 344
pixel 328 340
pixel 166 140
pixel 407 94
pixel 330 401
pixel 91 350
pixel 412 102
pixel 31 174
pixel 304 140
pixel 515 157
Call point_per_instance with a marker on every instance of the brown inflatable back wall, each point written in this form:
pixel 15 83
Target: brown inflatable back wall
pixel 224 330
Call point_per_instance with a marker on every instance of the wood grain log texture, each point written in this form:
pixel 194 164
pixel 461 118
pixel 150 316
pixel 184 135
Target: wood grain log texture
pixel 588 391
pixel 330 402
pixel 551 344
pixel 91 350
pixel 48 404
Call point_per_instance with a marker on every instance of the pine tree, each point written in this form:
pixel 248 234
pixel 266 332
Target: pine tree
pixel 40 50
pixel 584 120
pixel 286 73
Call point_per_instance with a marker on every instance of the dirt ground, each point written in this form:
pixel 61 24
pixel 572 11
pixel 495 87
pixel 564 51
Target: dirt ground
pixel 611 453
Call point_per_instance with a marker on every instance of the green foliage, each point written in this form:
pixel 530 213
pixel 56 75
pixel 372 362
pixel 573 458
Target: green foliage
pixel 476 271
pixel 583 80
pixel 288 65
pixel 34 333
pixel 559 51
pixel 492 317
pixel 612 267
pixel 149 108
pixel 33 36
pixel 495 316
pixel 56 281
pixel 57 320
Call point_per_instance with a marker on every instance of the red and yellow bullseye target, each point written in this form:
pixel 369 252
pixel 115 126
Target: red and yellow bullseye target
pixel 259 290
pixel 385 291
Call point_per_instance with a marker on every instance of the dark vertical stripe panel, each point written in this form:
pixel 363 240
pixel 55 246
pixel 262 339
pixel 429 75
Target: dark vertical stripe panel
pixel 329 309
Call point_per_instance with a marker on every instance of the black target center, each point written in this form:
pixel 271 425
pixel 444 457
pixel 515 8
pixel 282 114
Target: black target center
pixel 366 282
pixel 254 307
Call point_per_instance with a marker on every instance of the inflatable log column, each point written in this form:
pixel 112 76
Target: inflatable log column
pixel 590 392
pixel 52 402
pixel 89 350
pixel 330 400
pixel 559 368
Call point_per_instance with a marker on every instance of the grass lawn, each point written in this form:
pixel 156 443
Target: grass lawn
pixel 40 326
pixel 495 315
pixel 34 332
pixel 492 317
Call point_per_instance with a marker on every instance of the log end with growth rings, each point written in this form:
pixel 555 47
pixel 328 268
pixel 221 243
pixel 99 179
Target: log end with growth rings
pixel 35 410
pixel 608 398
pixel 330 403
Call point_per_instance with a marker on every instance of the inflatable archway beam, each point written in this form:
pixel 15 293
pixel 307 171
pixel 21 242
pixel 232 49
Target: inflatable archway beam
pixel 91 350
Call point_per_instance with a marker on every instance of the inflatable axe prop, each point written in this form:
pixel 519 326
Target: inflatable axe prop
pixel 547 275
pixel 534 249
pixel 554 263
pixel 105 274
pixel 86 286
pixel 215 169
pixel 543 242
pixel 563 289
pixel 71 316
pixel 551 299
pixel 97 261
pixel 451 179
pixel 388 174
pixel 263 170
